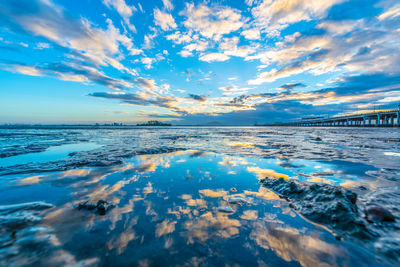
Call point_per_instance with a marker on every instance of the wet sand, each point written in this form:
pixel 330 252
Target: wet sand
pixel 200 196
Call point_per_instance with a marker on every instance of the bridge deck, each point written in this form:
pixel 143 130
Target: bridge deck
pixel 382 118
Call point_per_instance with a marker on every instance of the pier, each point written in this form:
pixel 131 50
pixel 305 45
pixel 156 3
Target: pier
pixel 379 118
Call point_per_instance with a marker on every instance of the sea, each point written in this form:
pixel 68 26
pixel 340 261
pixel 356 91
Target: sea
pixel 199 196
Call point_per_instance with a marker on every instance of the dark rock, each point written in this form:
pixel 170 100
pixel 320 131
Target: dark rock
pixel 329 205
pixel 19 215
pixel 225 209
pixel 376 214
pixel 238 200
pixel 101 208
pixel 29 206
pixel 363 188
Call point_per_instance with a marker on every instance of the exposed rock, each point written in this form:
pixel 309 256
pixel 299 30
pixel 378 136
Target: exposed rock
pixel 100 208
pixel 225 209
pixel 377 214
pixel 324 204
pixel 238 200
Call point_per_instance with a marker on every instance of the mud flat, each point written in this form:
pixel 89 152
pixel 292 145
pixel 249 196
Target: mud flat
pixel 143 196
pixel 337 208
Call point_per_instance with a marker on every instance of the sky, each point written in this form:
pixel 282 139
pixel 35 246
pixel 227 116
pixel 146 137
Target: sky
pixel 233 62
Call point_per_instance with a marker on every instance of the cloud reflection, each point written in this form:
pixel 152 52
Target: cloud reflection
pixel 177 215
pixel 292 245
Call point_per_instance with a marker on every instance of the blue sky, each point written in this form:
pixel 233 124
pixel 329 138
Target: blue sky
pixel 235 62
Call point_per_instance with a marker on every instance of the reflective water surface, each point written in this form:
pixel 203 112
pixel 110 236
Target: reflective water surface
pixel 191 196
pixel 51 154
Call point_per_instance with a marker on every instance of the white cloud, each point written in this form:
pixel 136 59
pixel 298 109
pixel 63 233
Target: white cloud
pixel 167 4
pixel 289 51
pixel 27 70
pixel 198 46
pixel 179 38
pixel 135 51
pixel 124 10
pixel 114 34
pixel 364 49
pixel 68 72
pixel 42 45
pixel 230 48
pixel 339 27
pixel 233 90
pixel 264 77
pixel 148 62
pixel 164 20
pixel 185 53
pixel 241 51
pixel 148 41
pixel 251 34
pixel 214 57
pixel 140 8
pixel 100 47
pixel 250 2
pixel 272 15
pixel 211 22
pixel 391 13
pixel 390 98
pixel 229 43
pixel 145 83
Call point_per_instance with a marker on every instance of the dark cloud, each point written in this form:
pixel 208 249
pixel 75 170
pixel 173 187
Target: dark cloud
pixel 188 74
pixel 289 86
pixel 14 15
pixel 280 109
pixel 62 69
pixel 265 113
pixel 136 99
pixel 145 83
pixel 239 100
pixel 200 98
pixel 90 74
pixel 345 86
pixel 354 85
pixel 363 50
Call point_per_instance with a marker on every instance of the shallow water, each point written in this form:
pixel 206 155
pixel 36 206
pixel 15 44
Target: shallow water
pixel 191 196
pixel 53 153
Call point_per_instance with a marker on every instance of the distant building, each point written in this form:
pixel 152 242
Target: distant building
pixel 153 123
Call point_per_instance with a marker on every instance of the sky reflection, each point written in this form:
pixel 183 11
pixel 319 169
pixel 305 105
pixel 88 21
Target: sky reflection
pixel 168 209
